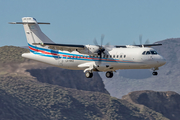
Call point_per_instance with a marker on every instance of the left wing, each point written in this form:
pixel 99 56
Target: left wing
pixel 67 47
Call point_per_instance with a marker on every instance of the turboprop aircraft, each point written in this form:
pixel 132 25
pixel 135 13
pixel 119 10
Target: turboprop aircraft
pixel 89 58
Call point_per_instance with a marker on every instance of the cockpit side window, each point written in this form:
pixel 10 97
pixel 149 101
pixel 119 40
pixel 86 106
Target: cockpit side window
pixel 148 53
pixel 154 52
pixel 144 53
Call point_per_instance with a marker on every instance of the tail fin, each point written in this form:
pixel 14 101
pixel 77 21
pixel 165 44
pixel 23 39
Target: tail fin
pixel 33 31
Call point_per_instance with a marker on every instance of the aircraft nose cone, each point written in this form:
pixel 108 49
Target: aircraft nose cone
pixel 162 61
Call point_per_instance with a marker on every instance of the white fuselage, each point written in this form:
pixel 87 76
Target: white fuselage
pixel 117 58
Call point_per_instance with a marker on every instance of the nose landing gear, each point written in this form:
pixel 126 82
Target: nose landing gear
pixel 154 71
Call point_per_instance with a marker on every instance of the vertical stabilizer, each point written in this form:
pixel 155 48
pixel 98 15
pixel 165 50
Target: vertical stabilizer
pixel 33 31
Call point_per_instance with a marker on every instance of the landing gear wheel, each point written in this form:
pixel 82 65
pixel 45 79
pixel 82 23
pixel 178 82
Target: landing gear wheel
pixel 109 74
pixel 89 74
pixel 155 73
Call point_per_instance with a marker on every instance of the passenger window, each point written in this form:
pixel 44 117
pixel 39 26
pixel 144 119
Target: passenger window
pixel 107 56
pixel 148 53
pixel 110 56
pixel 144 53
pixel 113 56
pixel 124 56
pixel 117 56
pixel 121 56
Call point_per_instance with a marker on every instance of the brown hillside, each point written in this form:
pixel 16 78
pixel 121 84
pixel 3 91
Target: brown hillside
pixel 166 103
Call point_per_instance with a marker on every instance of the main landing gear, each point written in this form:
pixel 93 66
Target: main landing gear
pixel 109 74
pixel 89 74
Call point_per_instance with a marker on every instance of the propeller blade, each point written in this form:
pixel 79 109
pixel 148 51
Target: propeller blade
pixel 102 38
pixel 95 42
pixel 107 47
pixel 147 41
pixel 140 39
pixel 134 43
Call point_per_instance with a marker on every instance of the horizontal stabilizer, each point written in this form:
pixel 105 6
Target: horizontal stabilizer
pixel 28 23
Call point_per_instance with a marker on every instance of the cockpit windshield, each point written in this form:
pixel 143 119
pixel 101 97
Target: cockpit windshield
pixel 152 52
pixel 148 53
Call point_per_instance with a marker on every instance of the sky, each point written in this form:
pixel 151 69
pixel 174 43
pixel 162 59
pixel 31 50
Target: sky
pixel 80 21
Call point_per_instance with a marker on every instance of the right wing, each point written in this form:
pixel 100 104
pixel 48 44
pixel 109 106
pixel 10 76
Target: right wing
pixel 145 45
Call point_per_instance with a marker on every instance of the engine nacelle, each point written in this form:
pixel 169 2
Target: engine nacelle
pixel 90 49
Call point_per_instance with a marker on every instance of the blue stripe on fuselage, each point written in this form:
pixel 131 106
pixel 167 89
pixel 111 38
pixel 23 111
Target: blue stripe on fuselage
pixel 69 54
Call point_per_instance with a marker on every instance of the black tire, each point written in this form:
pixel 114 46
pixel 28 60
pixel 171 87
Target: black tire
pixel 89 74
pixel 155 73
pixel 109 74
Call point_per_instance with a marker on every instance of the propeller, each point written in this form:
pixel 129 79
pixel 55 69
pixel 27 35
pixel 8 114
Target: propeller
pixel 140 41
pixel 147 41
pixel 101 47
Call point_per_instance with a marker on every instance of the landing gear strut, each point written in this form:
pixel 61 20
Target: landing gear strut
pixel 109 74
pixel 89 74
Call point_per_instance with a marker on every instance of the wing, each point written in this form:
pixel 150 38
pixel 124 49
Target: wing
pixel 145 45
pixel 67 47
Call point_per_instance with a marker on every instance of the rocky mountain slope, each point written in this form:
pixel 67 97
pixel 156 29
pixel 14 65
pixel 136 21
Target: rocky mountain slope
pixel 30 90
pixel 68 78
pixel 166 103
pixel 25 98
pixel 125 81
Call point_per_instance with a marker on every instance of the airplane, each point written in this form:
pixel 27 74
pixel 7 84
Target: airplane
pixel 90 58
